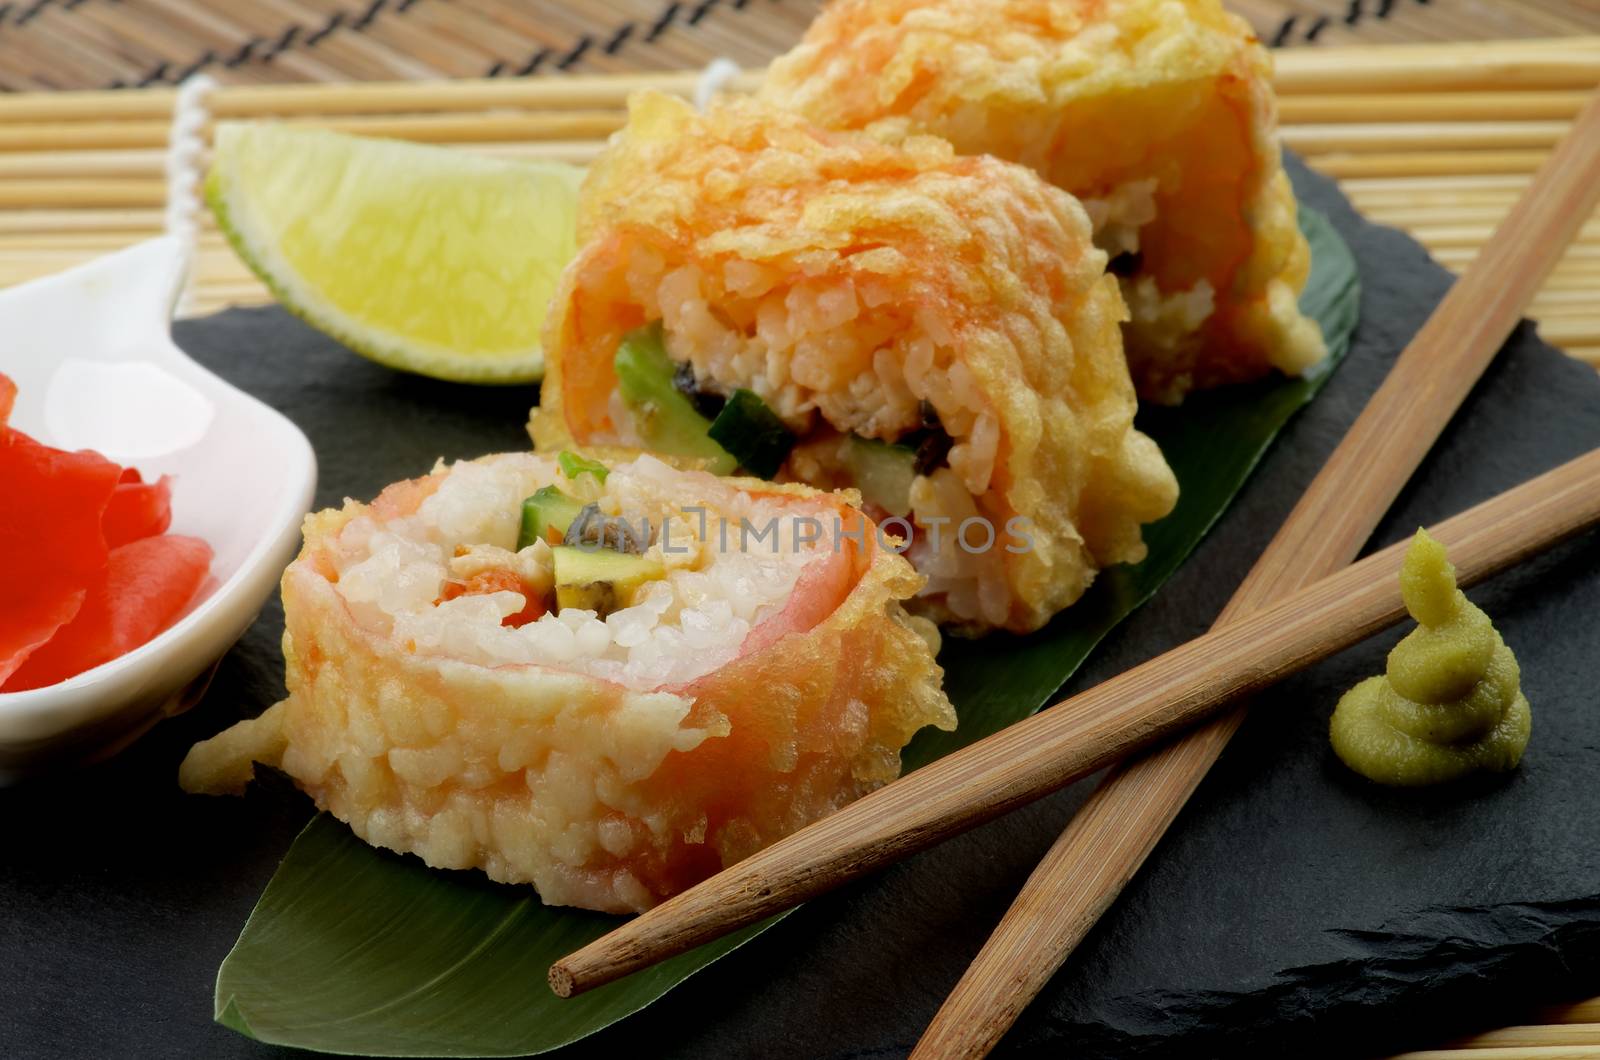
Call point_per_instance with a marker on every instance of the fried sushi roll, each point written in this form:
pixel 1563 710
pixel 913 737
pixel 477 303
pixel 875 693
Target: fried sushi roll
pixel 933 330
pixel 608 683
pixel 1158 114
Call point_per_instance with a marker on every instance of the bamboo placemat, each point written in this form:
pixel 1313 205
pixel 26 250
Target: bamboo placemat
pixel 1435 138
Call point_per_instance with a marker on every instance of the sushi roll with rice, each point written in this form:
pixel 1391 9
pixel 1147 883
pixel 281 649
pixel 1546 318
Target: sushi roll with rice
pixel 606 682
pixel 936 331
pixel 1158 114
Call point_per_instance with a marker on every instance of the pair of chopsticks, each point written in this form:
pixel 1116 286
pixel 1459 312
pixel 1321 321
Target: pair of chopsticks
pixel 1114 831
pixel 1080 735
pixel 1299 604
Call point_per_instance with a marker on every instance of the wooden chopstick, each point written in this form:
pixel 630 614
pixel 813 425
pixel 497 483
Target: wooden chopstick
pixel 1113 832
pixel 1361 480
pixel 1079 735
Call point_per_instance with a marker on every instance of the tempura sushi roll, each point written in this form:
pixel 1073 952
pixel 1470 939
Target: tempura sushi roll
pixel 936 331
pixel 606 682
pixel 1158 114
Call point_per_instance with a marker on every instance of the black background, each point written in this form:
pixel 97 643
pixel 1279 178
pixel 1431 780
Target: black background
pixel 1293 907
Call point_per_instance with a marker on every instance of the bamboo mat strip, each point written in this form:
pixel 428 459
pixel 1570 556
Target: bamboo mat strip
pixel 1546 1052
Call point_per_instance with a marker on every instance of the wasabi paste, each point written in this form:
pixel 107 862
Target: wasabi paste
pixel 1450 701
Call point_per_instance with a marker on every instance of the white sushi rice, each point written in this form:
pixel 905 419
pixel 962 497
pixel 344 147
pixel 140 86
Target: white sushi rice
pixel 1167 320
pixel 1120 215
pixel 1163 320
pixel 825 349
pixel 392 572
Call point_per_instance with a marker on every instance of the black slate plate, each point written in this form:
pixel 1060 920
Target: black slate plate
pixel 1292 911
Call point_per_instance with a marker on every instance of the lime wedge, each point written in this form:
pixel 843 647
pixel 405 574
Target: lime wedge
pixel 426 259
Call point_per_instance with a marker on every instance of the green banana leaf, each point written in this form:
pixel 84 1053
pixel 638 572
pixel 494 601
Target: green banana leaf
pixel 356 950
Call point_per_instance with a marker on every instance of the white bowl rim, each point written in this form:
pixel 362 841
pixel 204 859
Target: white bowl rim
pixel 75 695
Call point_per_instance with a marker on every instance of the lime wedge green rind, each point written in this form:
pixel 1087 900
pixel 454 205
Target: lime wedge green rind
pixel 357 950
pixel 424 259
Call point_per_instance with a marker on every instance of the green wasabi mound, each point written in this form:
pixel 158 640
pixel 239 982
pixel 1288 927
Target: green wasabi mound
pixel 1450 701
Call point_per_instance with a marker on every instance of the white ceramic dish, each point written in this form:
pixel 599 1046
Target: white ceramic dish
pixel 96 368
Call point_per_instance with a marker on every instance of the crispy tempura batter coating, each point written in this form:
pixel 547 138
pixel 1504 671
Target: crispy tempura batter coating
pixel 846 280
pixel 1101 96
pixel 599 796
